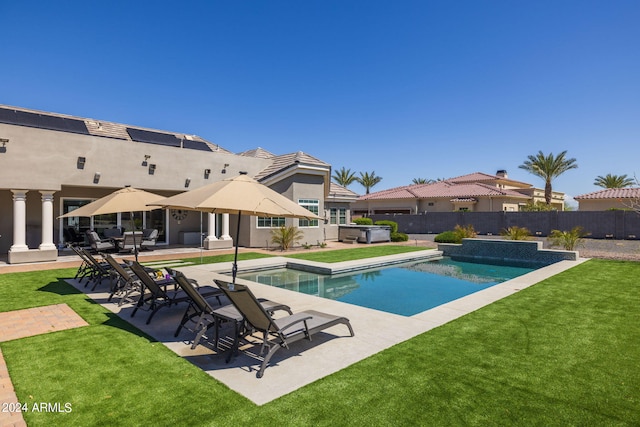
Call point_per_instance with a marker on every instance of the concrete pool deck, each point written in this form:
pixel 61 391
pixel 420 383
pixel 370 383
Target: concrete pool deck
pixel 329 351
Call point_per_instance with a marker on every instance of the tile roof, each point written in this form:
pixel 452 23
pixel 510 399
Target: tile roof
pixel 484 177
pixel 285 161
pixel 442 189
pixel 338 191
pixel 611 193
pixel 258 152
pixel 113 130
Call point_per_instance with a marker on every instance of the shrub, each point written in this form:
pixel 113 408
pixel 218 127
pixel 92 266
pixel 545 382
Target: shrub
pixel 516 233
pixel 392 224
pixel 569 240
pixel 447 237
pixel 537 207
pixel 363 221
pixel 399 237
pixel 465 231
pixel 286 237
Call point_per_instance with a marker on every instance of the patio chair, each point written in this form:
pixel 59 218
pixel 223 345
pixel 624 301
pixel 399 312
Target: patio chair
pixel 205 317
pixel 71 237
pixel 112 233
pixel 149 237
pixel 158 295
pixel 130 242
pixel 98 244
pixel 278 333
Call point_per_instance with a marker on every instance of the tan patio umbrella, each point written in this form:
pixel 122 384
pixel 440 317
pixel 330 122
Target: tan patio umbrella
pixel 127 199
pixel 241 195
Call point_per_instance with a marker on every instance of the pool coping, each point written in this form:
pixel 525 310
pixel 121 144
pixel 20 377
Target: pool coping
pixel 325 267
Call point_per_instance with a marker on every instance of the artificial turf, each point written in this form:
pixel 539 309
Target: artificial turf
pixel 562 352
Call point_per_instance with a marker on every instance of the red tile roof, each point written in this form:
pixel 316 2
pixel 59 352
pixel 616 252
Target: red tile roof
pixel 485 177
pixel 442 189
pixel 611 193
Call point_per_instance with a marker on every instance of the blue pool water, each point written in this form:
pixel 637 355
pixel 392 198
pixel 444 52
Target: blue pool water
pixel 404 290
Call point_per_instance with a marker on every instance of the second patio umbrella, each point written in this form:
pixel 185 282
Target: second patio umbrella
pixel 240 195
pixel 127 199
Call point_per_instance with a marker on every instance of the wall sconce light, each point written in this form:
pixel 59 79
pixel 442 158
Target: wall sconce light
pixel 152 169
pixel 146 157
pixel 96 177
pixel 187 182
pixel 81 162
pixel 207 172
pixel 224 168
pixel 4 142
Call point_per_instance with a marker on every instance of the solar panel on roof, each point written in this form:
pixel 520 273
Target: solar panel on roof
pixel 196 145
pixel 42 121
pixel 153 137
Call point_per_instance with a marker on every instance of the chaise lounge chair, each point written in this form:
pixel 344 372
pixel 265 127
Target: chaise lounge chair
pixel 278 333
pixel 206 317
pixel 158 296
pixel 92 268
pixel 123 281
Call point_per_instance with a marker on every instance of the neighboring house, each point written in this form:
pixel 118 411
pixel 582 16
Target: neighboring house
pixel 609 198
pixel 476 192
pixel 52 163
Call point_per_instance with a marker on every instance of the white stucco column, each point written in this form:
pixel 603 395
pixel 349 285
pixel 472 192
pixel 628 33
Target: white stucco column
pixel 225 227
pixel 19 221
pixel 212 227
pixel 47 220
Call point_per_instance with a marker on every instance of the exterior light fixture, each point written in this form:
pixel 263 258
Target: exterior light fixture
pixel 81 162
pixel 207 172
pixel 187 182
pixel 4 142
pixel 224 168
pixel 152 168
pixel 96 177
pixel 146 157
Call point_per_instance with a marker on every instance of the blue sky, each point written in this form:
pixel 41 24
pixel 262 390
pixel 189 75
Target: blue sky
pixel 408 89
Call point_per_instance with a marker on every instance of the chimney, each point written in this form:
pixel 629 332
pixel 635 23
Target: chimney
pixel 502 173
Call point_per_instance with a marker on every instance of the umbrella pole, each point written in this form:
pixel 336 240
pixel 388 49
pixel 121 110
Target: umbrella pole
pixel 234 270
pixel 133 227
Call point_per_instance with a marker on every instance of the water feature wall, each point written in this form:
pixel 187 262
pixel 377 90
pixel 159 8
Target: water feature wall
pixel 505 252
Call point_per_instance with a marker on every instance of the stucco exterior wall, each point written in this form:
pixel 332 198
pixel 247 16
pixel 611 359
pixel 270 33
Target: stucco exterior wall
pixel 602 205
pixel 46 160
pixel 299 186
pixel 38 159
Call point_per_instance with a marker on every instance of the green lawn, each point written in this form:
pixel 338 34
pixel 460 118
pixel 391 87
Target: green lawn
pixel 562 352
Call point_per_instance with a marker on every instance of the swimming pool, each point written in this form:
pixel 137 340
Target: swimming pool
pixel 406 290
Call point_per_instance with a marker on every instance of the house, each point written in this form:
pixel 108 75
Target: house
pixel 479 192
pixel 609 198
pixel 53 163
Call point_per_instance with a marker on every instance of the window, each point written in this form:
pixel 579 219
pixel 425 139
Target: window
pixel 337 216
pixel 312 205
pixel 274 222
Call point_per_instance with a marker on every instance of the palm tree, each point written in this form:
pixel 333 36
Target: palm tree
pixel 548 168
pixel 613 181
pixel 368 180
pixel 422 181
pixel 344 177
